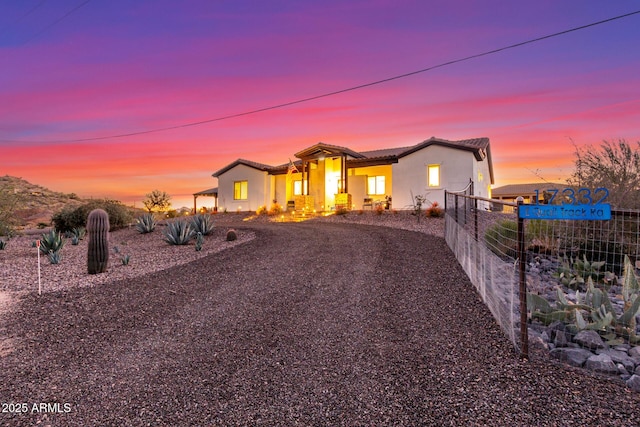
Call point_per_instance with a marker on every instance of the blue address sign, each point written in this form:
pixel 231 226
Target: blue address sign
pixel 601 211
pixel 577 204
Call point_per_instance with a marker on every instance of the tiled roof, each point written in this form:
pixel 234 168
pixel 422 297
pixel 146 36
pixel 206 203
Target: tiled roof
pixel 250 163
pixel 515 190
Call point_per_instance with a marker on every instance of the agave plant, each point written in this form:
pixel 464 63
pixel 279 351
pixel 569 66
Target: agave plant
pixel 178 233
pixel 202 224
pixel 3 244
pixel 54 257
pixel 146 223
pixel 51 242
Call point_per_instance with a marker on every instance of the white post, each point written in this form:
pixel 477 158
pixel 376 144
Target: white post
pixel 39 282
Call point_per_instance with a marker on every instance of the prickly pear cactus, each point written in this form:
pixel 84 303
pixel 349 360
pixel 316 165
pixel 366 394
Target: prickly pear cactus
pixel 98 232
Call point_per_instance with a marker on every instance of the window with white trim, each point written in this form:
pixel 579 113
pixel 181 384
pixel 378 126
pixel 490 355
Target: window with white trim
pixel 433 176
pixel 376 185
pixel 240 190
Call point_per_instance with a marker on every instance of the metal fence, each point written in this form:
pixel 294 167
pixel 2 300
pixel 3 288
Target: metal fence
pixel 495 276
pixel 536 275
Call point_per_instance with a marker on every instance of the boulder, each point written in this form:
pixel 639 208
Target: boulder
pixel 634 382
pixel 573 356
pixel 634 351
pixel 589 339
pixel 620 357
pixel 601 363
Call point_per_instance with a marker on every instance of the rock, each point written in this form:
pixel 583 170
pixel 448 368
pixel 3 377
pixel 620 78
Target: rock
pixel 573 356
pixel 601 363
pixel 620 357
pixel 634 382
pixel 232 235
pixel 634 351
pixel 622 347
pixel 622 371
pixel 589 339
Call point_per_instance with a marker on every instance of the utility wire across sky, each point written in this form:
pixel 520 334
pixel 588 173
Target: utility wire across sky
pixel 337 92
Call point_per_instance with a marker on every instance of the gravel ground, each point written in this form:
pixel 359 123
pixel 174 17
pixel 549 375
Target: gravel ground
pixel 314 323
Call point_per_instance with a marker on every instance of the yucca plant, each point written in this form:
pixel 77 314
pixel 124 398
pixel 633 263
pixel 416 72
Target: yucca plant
pixel 51 242
pixel 146 223
pixel 202 224
pixel 3 244
pixel 178 233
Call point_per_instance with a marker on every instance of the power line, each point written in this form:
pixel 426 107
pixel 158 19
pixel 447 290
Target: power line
pixel 29 12
pixel 337 92
pixel 45 29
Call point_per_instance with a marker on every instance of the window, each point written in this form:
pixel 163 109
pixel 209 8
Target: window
pixel 433 175
pixel 240 190
pixel 376 185
pixel 297 187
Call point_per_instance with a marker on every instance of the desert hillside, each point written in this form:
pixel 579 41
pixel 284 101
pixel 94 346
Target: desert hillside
pixel 32 204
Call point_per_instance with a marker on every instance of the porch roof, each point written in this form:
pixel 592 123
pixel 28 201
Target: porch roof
pixel 210 192
pixel 326 150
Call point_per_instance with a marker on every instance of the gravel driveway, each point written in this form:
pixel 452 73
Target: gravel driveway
pixel 308 324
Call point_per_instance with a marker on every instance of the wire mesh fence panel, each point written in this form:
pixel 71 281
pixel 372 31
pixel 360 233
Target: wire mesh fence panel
pixel 583 291
pixel 485 244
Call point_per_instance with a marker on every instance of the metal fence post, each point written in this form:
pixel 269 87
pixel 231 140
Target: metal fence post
pixel 456 208
pixel 524 331
pixel 475 218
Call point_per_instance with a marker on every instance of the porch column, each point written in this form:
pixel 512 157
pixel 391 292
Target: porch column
pixel 343 173
pixel 307 179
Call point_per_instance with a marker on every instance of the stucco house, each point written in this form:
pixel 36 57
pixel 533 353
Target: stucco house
pixel 325 177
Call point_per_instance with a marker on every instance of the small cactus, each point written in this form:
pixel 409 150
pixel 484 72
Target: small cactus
pixel 232 235
pixel 98 250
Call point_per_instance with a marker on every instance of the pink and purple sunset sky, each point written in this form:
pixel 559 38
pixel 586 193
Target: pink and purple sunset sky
pixel 74 74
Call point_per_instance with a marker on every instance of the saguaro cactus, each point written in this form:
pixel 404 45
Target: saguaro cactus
pixel 98 232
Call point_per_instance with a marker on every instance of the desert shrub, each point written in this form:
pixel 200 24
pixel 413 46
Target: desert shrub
pixel 379 209
pixel 275 209
pixel 434 211
pixel 262 210
pixel 202 223
pixel 146 223
pixel 69 218
pixel 502 238
pixel 341 210
pixel 178 233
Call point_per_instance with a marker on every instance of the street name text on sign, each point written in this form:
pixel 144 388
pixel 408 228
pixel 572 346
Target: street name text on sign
pixel 600 211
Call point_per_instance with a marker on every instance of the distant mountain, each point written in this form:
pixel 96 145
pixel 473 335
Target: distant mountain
pixel 34 204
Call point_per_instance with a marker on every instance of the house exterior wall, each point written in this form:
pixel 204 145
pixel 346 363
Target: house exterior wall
pixel 410 174
pixel 258 189
pixel 482 181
